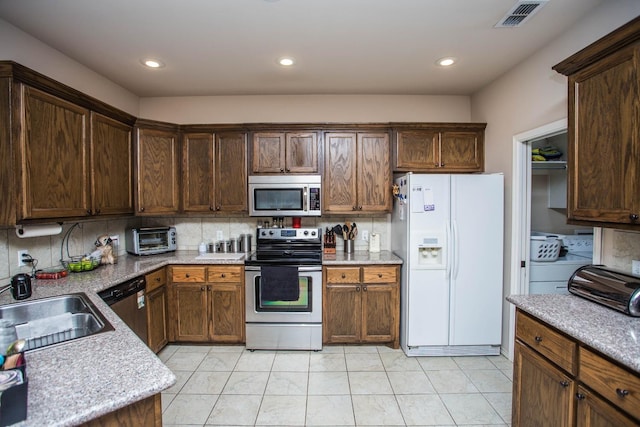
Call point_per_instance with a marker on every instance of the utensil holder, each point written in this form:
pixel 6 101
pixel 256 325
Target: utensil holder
pixel 348 246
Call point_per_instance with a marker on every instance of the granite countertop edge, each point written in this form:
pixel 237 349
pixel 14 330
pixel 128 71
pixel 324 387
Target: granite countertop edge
pixel 83 379
pixel 607 331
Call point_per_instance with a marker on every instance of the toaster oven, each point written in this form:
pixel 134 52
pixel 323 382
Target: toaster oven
pixel 150 240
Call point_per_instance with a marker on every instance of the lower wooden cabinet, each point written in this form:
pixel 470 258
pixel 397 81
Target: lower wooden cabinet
pixel 361 304
pixel 156 291
pixel 559 381
pixel 207 304
pixel 145 413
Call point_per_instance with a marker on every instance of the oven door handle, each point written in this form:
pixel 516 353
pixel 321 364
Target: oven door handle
pixel 300 267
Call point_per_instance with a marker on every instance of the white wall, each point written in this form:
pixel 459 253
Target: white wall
pixel 307 108
pixel 20 47
pixel 532 95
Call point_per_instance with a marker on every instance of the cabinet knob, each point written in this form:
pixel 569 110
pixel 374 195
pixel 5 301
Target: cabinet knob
pixel 357 288
pixel 89 212
pixel 380 275
pixel 281 170
pixel 441 165
pixel 157 279
pixel 360 207
pixel 354 208
pixel 622 392
pixel 187 275
pixel 223 275
pixel 364 288
pixel 436 165
pixel 564 383
pixel 202 288
pixel 218 207
pixel 538 339
pixel 288 170
pixel 211 208
pixel 344 275
pixel 633 217
pixel 580 396
pixel 142 209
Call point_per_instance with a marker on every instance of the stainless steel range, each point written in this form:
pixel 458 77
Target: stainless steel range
pixel 284 290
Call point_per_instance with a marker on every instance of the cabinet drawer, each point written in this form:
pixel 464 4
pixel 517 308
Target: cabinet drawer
pixel 156 279
pixel 551 344
pixel 616 384
pixel 379 275
pixel 230 274
pixel 343 275
pixel 188 274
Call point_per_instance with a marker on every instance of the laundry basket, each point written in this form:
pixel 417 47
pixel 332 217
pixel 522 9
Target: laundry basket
pixel 545 248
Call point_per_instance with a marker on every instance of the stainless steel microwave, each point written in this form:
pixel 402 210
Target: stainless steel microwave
pixel 285 195
pixel 150 240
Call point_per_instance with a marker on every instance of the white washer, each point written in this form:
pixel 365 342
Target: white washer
pixel 551 277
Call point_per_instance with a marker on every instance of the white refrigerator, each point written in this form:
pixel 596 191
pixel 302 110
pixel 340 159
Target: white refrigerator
pixel 448 230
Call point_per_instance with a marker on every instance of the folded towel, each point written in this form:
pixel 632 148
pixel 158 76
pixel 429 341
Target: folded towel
pixel 279 283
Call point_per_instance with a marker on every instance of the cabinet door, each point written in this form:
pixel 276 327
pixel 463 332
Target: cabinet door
pixel 542 394
pixel 54 157
pixel 379 316
pixel 301 153
pixel 339 186
pixel 111 166
pixel 227 306
pixel 157 165
pixel 462 151
pixel 157 319
pixel 198 172
pixel 417 151
pixel 374 173
pixel 268 154
pixel 342 313
pixel 595 412
pixel 231 172
pixel 603 140
pixel 191 312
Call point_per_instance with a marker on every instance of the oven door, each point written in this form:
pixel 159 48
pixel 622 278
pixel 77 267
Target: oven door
pixel 306 309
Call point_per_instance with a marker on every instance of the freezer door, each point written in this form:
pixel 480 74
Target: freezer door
pixel 428 308
pixel 477 256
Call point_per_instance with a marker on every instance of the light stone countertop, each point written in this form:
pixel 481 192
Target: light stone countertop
pixel 80 380
pixel 612 333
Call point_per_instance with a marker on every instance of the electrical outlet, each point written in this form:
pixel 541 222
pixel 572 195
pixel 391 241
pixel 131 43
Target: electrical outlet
pixel 219 235
pixel 365 235
pixel 21 262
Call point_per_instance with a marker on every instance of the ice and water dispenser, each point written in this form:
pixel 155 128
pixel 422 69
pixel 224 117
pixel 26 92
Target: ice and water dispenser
pixel 430 252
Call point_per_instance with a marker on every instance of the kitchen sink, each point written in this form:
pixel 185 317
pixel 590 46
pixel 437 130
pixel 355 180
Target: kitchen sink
pixel 47 321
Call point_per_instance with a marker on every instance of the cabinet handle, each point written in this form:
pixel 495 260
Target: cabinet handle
pixel 633 217
pixel 223 275
pixel 288 170
pixel 538 339
pixel 157 279
pixel 202 288
pixel 380 275
pixel 89 212
pixel 364 288
pixel 141 209
pixel 218 207
pixel 622 392
pixel 344 275
pixel 360 207
pixel 357 288
pixel 281 170
pixel 580 396
pixel 187 275
pixel 564 383
pixel 441 165
pixel 354 208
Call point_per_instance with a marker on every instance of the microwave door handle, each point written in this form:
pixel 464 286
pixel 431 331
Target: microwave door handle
pixel 305 197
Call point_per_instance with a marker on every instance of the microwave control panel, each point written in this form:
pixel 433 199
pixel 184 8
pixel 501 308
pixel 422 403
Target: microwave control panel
pixel 314 198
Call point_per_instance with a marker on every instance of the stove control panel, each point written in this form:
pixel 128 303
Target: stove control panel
pixel 288 233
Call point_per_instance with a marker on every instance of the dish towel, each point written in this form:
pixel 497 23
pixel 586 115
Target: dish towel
pixel 279 283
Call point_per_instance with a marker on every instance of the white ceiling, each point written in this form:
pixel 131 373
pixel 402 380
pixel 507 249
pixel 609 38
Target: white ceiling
pixel 230 47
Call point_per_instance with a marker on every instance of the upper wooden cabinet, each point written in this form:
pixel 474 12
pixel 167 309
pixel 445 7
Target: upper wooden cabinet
pixel 357 173
pixel 604 130
pixel 157 171
pixel 214 172
pixel 457 148
pixel 284 152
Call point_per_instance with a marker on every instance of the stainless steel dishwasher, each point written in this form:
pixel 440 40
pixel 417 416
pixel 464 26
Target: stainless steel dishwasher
pixel 128 301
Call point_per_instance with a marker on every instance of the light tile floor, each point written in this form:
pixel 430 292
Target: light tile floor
pixel 338 386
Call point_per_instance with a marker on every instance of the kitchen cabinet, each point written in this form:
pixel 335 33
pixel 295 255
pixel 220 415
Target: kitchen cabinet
pixel 214 172
pixel 361 304
pixel 157 169
pixel 284 152
pixel 560 381
pixel 604 130
pixel 156 290
pixel 54 157
pixel 207 304
pixel 458 148
pixel 146 412
pixel 357 173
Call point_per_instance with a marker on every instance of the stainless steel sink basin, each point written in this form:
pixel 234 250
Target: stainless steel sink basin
pixel 47 321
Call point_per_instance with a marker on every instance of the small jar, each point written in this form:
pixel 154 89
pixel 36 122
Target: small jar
pixel 202 248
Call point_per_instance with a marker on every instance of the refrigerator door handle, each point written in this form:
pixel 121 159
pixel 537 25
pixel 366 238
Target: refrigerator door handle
pixel 449 247
pixel 455 251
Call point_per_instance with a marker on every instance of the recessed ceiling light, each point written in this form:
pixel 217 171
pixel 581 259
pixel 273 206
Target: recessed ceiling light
pixel 286 62
pixel 446 62
pixel 152 63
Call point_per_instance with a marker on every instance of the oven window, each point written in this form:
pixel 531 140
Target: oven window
pixel 302 304
pixel 154 240
pixel 277 199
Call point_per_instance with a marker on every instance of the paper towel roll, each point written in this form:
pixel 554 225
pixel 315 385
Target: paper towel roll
pixel 24 231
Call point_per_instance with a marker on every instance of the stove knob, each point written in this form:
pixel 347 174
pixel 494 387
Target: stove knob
pixel 313 233
pixel 306 232
pixel 270 232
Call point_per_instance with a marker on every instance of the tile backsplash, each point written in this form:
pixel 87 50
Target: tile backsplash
pixel 48 250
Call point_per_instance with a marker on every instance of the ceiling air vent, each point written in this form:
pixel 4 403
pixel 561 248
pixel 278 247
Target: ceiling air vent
pixel 520 13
